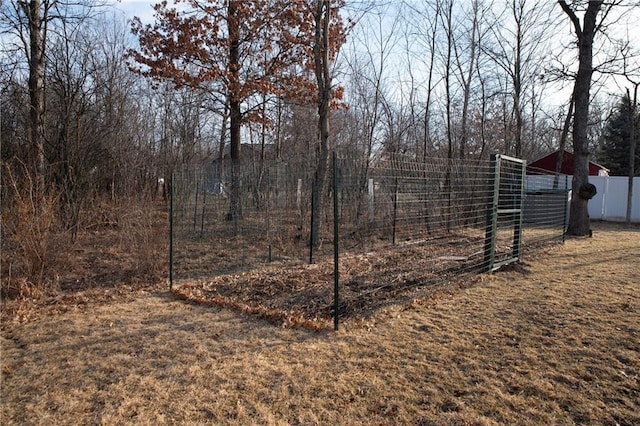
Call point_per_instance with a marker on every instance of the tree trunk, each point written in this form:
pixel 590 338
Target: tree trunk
pixel 35 129
pixel 582 191
pixel 235 113
pixel 317 191
pixel 632 149
pixel 517 84
pixel 464 131
pixel 449 106
pixel 323 77
pixel 426 137
pixel 223 139
pixel 563 144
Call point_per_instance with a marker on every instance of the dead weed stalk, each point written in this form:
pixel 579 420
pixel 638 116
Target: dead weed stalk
pixel 31 251
pixel 140 237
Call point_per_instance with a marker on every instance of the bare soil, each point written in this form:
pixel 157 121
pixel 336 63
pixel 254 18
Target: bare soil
pixel 555 340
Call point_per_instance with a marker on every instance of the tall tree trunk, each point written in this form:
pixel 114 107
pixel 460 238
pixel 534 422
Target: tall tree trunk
pixel 447 78
pixel 35 130
pixel 426 138
pixel 517 83
pixel 223 141
pixel 563 144
pixel 582 190
pixel 632 148
pixel 517 107
pixel 323 78
pixel 464 131
pixel 259 175
pixel 235 114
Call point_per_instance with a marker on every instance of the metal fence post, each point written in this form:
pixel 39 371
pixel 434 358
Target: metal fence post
pixel 492 214
pixel 519 205
pixel 395 211
pixel 565 221
pixel 311 228
pixel 336 257
pixel 171 193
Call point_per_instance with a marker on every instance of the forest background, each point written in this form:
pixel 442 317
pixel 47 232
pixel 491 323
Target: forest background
pixel 433 79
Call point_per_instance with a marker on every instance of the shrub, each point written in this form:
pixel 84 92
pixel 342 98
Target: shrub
pixel 31 247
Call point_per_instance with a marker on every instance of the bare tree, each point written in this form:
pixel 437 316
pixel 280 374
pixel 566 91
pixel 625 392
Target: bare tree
pixel 422 33
pixel 517 47
pixel 31 23
pixel 632 75
pixel 369 66
pixel 448 24
pixel 632 144
pixel 466 75
pixel 585 31
pixel 325 49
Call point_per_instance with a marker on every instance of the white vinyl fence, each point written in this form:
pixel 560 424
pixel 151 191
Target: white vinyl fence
pixel 610 203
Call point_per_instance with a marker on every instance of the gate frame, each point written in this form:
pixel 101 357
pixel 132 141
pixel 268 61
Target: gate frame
pixel 493 212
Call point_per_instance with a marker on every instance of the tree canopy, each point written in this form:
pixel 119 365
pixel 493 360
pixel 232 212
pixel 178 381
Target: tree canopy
pixel 242 52
pixel 236 49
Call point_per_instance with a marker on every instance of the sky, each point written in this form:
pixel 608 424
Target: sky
pixel 144 10
pixel 140 8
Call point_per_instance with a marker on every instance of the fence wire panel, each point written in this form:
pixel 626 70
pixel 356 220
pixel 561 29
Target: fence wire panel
pixel 503 234
pixel 405 227
pixel 546 207
pixel 271 226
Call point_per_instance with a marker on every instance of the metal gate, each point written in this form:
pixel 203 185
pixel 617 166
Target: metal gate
pixel 503 233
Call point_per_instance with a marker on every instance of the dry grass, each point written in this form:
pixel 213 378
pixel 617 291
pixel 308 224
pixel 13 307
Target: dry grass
pixel 120 251
pixel 554 342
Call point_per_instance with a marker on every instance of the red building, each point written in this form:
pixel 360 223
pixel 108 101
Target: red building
pixel 548 165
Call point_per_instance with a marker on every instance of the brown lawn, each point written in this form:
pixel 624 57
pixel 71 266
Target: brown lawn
pixel 556 341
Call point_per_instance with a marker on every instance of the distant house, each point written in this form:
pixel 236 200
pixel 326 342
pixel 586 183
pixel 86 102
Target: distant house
pixel 548 165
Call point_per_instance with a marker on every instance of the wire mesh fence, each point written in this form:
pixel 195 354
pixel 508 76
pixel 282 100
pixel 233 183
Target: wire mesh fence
pixel 546 207
pixel 392 231
pixel 272 224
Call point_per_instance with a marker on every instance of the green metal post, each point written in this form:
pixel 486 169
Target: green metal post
pixel 519 218
pixel 395 211
pixel 171 189
pixel 311 231
pixel 204 204
pixel 336 257
pixel 195 208
pixel 565 222
pixel 492 214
